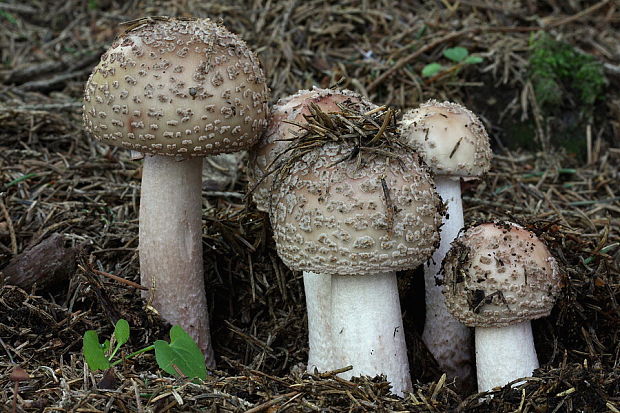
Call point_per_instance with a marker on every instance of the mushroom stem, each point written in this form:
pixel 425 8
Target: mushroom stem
pixel 171 245
pixel 504 354
pixel 317 288
pixel 367 328
pixel 446 338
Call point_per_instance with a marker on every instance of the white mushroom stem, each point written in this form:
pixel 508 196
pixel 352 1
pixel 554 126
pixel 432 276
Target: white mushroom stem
pixel 171 245
pixel 446 338
pixel 367 328
pixel 318 288
pixel 504 354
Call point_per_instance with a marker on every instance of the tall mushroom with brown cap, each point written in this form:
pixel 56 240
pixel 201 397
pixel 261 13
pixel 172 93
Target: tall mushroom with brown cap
pixel 455 145
pixel 358 214
pixel 176 90
pixel 498 277
pixel 287 119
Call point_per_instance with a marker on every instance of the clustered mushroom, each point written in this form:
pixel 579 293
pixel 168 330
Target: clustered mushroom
pixel 454 143
pixel 176 90
pixel 331 220
pixel 498 277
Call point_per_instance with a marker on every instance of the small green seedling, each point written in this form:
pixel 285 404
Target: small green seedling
pixel 459 55
pixel 8 16
pixel 180 357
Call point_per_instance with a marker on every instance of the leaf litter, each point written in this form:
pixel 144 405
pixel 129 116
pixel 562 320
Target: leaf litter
pixel 54 180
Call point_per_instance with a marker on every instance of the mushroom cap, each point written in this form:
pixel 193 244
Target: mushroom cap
pixel 449 137
pixel 331 217
pixel 273 143
pixel 177 87
pixel 497 274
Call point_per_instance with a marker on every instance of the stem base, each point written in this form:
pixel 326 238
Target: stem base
pixel 504 354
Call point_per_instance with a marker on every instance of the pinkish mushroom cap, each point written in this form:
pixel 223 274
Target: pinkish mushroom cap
pixel 498 274
pixel 178 88
pixel 287 111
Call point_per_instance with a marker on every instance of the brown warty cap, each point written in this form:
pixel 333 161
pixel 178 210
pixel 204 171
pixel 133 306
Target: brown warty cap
pixel 179 88
pixel 332 217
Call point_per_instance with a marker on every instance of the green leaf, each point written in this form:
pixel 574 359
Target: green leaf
pixel 121 335
pixel 456 54
pixel 473 59
pixel 431 69
pixel 8 16
pixel 94 352
pixel 183 353
pixel 121 332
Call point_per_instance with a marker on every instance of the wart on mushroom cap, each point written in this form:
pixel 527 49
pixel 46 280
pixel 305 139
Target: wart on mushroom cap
pixel 499 274
pixel 332 217
pixel 449 137
pixel 178 87
pixel 285 114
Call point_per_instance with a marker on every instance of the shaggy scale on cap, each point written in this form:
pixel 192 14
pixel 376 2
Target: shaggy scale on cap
pixel 179 88
pixel 499 274
pixel 449 137
pixel 332 217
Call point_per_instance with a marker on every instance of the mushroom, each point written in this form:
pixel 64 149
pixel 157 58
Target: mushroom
pixel 285 122
pixel 498 277
pixel 454 143
pixel 176 90
pixel 287 116
pixel 359 225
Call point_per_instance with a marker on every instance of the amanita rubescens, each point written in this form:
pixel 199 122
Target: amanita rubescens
pixel 176 90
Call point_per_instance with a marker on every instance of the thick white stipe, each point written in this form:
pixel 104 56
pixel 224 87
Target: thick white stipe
pixel 446 338
pixel 367 328
pixel 504 354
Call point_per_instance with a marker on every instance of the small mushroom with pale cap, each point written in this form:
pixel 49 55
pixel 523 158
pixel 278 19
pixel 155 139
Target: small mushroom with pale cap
pixel 498 277
pixel 331 216
pixel 17 375
pixel 454 144
pixel 176 90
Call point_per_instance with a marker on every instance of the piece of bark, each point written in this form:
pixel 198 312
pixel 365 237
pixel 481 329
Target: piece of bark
pixel 44 264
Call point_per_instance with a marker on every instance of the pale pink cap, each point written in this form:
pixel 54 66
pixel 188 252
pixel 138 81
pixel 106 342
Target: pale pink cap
pixel 177 88
pixel 506 263
pixel 275 141
pixel 450 138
